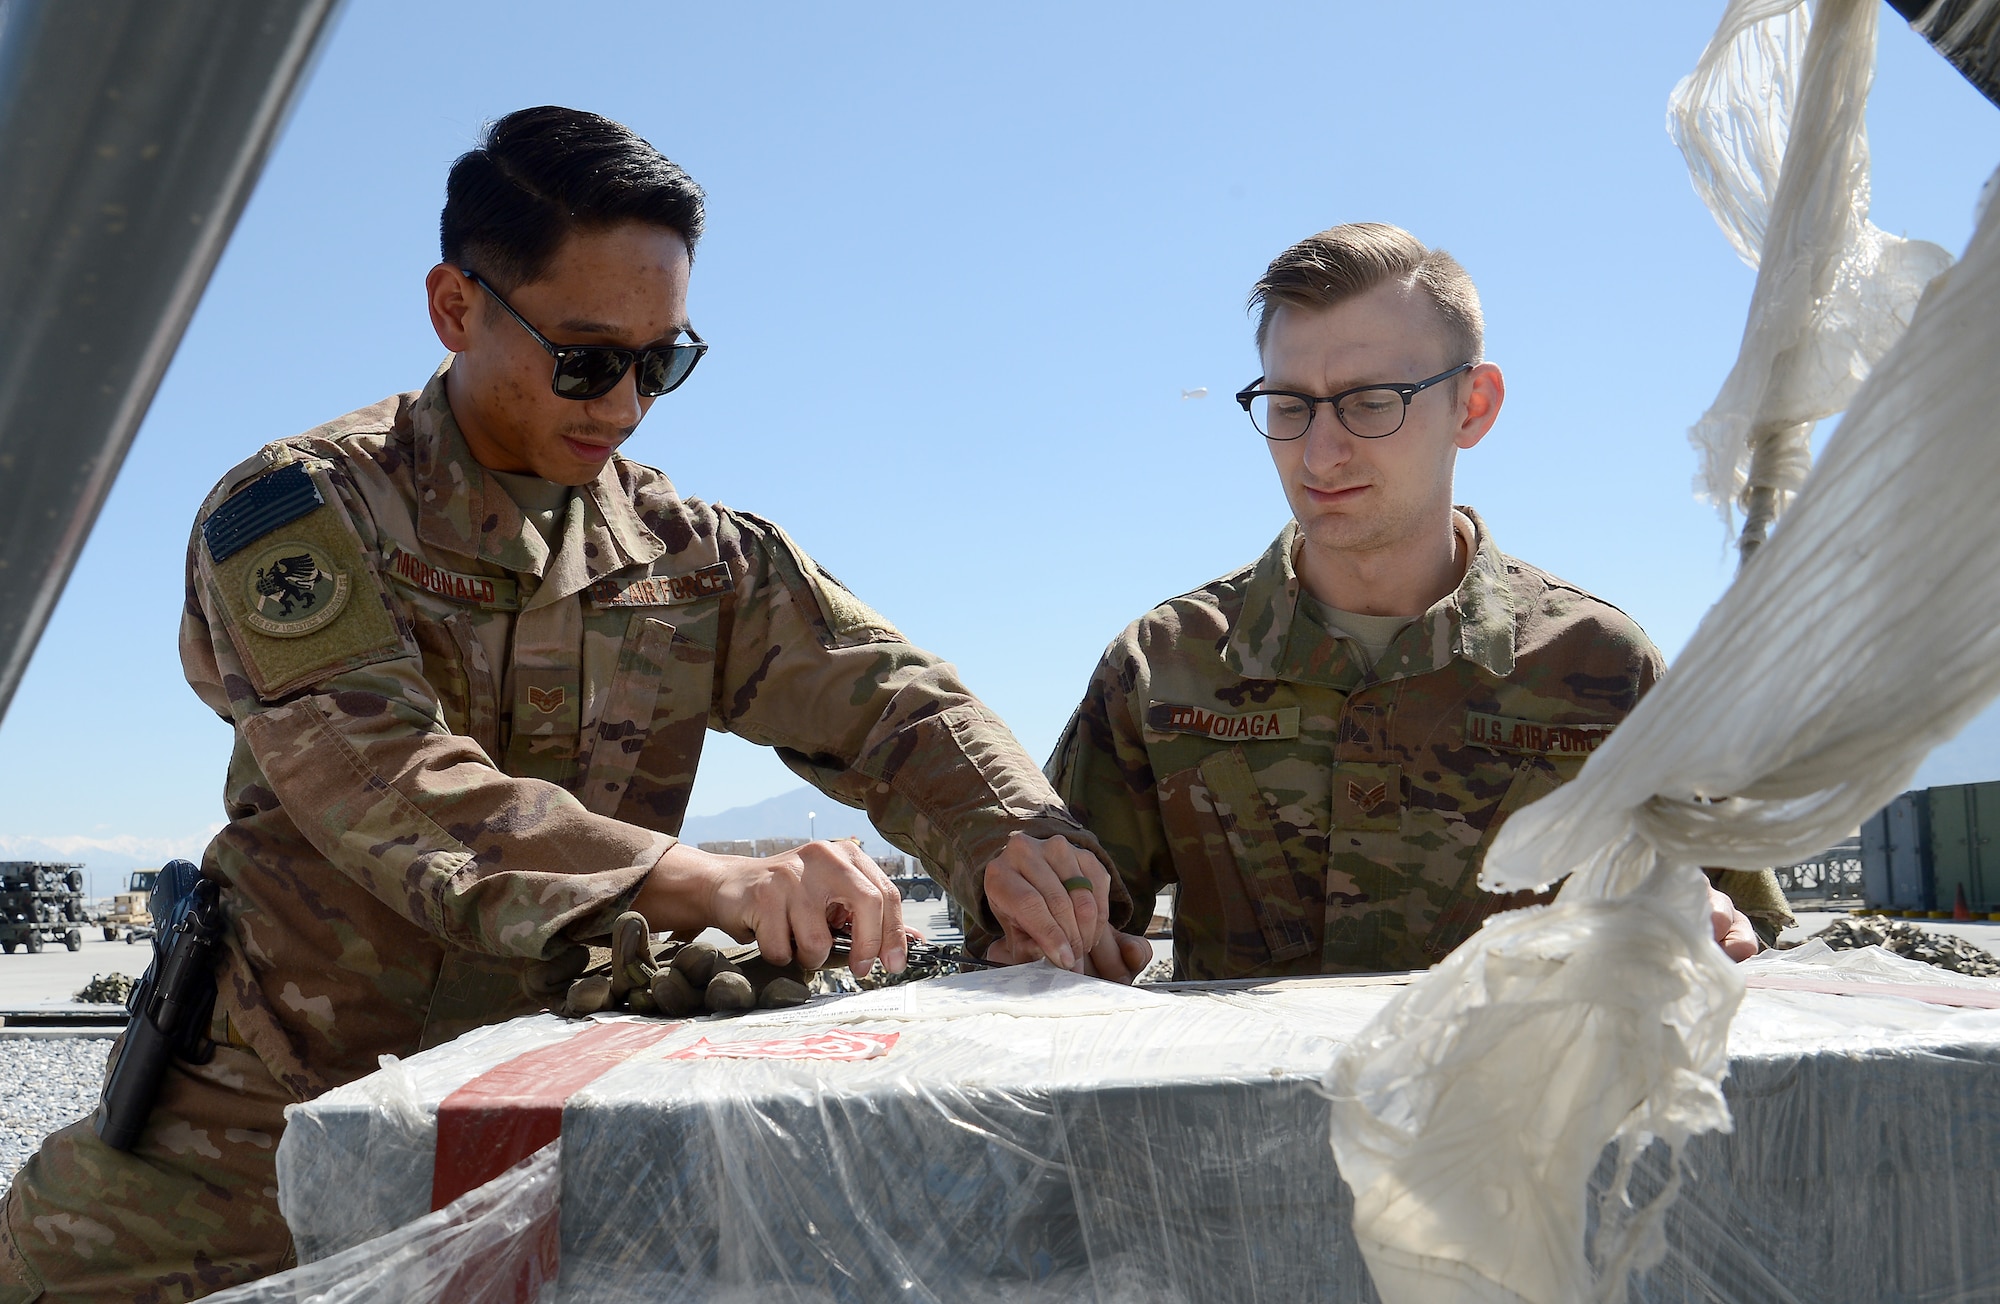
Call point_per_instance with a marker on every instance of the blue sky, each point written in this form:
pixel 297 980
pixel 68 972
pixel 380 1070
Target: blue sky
pixel 960 268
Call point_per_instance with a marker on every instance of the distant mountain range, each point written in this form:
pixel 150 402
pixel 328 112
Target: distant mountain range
pixel 787 815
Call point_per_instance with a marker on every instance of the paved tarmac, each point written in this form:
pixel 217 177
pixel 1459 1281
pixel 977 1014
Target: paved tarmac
pixel 58 973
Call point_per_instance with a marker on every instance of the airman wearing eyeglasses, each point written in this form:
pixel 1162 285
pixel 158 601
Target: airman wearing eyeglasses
pixel 1319 747
pixel 469 653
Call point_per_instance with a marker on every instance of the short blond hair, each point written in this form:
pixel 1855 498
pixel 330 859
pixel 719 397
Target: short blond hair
pixel 1342 262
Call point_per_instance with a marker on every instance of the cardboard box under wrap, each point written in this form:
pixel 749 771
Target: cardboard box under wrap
pixel 1029 1135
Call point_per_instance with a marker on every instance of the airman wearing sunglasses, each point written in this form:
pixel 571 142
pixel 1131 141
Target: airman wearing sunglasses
pixel 1318 748
pixel 470 653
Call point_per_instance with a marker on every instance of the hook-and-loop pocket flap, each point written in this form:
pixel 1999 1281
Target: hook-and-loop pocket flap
pixel 1249 826
pixel 620 732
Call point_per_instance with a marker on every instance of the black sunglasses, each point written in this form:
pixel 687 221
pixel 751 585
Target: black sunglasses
pixel 586 371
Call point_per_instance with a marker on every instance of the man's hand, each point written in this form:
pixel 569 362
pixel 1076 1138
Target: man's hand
pixel 790 903
pixel 1051 898
pixel 1117 957
pixel 1733 929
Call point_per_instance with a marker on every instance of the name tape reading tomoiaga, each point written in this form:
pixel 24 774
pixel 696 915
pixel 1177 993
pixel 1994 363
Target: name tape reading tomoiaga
pixel 1505 735
pixel 1278 722
pixel 663 590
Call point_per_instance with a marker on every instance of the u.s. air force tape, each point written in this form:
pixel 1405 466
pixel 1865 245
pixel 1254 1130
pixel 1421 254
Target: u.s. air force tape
pixel 663 590
pixel 1506 735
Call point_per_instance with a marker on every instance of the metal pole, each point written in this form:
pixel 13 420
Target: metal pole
pixel 131 135
pixel 1965 32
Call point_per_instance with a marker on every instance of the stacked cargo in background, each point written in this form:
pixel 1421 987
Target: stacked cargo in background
pixel 1933 849
pixel 40 901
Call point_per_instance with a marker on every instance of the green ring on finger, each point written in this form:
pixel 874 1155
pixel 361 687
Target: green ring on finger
pixel 1077 884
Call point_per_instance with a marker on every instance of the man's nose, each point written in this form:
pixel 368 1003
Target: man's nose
pixel 621 406
pixel 1329 445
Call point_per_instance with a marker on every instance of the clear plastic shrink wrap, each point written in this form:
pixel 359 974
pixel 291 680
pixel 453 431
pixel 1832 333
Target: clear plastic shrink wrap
pixel 1028 1135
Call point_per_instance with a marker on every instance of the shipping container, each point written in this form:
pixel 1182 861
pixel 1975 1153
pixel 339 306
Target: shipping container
pixel 1930 845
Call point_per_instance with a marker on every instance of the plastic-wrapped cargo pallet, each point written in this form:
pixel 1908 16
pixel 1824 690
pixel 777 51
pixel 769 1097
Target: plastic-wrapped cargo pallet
pixel 1027 1135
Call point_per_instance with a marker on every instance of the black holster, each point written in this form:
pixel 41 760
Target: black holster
pixel 172 1004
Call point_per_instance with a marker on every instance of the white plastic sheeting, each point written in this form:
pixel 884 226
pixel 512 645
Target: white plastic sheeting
pixel 1860 637
pixel 1786 83
pixel 1035 1136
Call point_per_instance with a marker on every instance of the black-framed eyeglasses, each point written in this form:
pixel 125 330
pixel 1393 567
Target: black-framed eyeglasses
pixel 1368 411
pixel 587 371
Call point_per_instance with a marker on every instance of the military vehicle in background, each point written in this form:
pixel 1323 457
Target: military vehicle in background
pixel 128 908
pixel 40 901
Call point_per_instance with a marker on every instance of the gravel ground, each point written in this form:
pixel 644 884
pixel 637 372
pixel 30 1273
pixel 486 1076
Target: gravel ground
pixel 45 1082
pixel 1901 937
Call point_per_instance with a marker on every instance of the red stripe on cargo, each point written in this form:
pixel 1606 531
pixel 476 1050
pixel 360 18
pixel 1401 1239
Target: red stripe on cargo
pixel 1929 993
pixel 514 1109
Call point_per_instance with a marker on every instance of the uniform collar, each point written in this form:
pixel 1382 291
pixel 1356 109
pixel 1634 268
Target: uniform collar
pixel 462 509
pixel 1270 639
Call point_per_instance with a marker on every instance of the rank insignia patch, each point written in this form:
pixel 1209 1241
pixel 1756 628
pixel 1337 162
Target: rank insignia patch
pixel 292 589
pixel 1367 800
pixel 1367 797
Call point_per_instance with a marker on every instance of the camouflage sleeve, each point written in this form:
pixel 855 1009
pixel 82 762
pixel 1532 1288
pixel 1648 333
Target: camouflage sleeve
pixel 1101 770
pixel 1757 894
pixel 807 668
pixel 352 744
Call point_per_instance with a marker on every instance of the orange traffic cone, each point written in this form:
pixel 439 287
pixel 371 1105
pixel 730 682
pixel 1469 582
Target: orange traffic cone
pixel 1959 910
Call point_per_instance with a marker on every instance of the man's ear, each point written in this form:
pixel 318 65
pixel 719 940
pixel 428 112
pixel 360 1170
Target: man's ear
pixel 451 297
pixel 1486 390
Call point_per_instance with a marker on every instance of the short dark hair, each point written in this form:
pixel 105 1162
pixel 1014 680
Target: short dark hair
pixel 1345 262
pixel 538 174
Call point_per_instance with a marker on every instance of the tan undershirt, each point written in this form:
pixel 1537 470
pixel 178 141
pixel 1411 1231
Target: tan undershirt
pixel 541 501
pixel 1374 634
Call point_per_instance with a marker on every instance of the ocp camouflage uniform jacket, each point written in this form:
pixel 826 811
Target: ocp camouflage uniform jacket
pixel 457 753
pixel 1320 815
